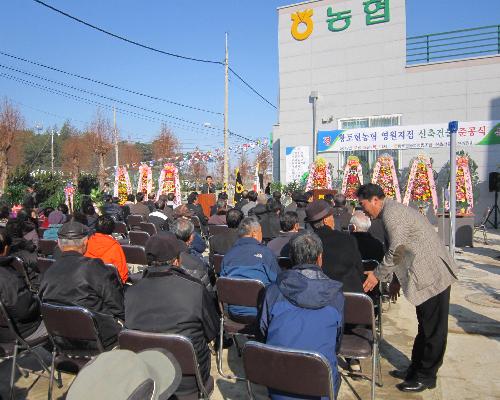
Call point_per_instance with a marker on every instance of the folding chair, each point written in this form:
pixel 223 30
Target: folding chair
pixel 482 226
pixel 302 373
pixel 216 229
pixel 18 264
pixel 148 227
pixel 217 263
pixel 19 347
pixel 134 221
pixel 121 229
pixel 44 264
pixel 182 349
pixel 135 254
pixel 361 342
pixel 285 263
pixel 72 330
pixel 46 247
pixel 198 227
pixel 378 294
pixel 138 238
pixel 240 292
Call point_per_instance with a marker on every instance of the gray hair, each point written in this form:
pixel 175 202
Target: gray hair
pixel 305 248
pixel 361 221
pixel 71 242
pixel 248 225
pixel 183 229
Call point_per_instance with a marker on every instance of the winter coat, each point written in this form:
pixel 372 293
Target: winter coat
pixel 109 251
pixel 52 231
pixel 114 211
pixel 304 310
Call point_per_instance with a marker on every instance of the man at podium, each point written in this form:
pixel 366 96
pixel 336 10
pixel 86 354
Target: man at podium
pixel 209 186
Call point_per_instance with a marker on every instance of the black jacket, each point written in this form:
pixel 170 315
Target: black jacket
pixel 168 300
pixel 77 280
pixel 114 211
pixel 21 304
pixel 341 259
pixel 241 203
pixel 27 252
pixel 369 247
pixel 198 211
pixel 342 217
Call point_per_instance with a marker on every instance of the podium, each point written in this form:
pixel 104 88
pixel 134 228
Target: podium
pixel 206 201
pixel 319 194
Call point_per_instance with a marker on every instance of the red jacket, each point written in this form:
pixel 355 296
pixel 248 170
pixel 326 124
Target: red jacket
pixel 109 251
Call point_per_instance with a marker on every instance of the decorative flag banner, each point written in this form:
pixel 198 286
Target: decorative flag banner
pixel 296 162
pixel 408 137
pixel 168 182
pixel 384 175
pixel 421 187
pixel 123 187
pixel 145 181
pixel 353 178
pixel 256 182
pixel 320 175
pixel 238 186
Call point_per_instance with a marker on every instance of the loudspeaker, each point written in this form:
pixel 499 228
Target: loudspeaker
pixel 494 182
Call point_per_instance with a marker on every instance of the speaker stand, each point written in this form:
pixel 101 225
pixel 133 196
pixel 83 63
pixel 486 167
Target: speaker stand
pixel 495 211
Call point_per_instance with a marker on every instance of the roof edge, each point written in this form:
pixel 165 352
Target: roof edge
pixel 298 4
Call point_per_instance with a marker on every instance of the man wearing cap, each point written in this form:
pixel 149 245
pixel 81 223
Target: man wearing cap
pixel 169 300
pixel 341 257
pixel 77 280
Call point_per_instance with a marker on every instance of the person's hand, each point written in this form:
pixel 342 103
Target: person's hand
pixel 394 288
pixel 371 281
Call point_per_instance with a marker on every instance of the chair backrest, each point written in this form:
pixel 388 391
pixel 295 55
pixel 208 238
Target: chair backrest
pixel 18 265
pixel 293 371
pixel 196 221
pixel 240 292
pixel 370 265
pixel 216 229
pixel 135 254
pixel 359 309
pixel 44 264
pixel 46 246
pixel 285 263
pixel 73 324
pixel 134 220
pixel 6 320
pixel 217 262
pixel 180 346
pixel 138 238
pixel 121 228
pixel 148 227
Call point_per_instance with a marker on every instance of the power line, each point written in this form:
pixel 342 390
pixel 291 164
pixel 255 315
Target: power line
pixel 152 48
pixel 109 84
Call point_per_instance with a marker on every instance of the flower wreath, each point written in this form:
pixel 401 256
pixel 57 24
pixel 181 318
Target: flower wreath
pixel 145 182
pixel 320 175
pixel 421 187
pixel 168 182
pixel 384 175
pixel 353 178
pixel 123 187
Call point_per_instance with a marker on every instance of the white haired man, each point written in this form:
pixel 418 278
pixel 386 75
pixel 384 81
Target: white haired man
pixel 369 247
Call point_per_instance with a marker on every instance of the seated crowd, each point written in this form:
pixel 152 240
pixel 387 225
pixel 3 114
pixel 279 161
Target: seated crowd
pixel 175 293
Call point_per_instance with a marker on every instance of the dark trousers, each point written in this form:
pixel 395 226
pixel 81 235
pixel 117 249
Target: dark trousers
pixel 430 344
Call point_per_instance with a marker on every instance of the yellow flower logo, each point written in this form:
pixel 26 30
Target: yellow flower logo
pixel 299 18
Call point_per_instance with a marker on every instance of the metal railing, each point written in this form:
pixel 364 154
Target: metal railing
pixel 465 43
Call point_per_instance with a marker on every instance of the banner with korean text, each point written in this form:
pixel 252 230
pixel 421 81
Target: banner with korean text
pixel 296 162
pixel 408 137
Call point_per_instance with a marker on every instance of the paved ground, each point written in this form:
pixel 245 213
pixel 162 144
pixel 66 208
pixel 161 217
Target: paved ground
pixel 470 369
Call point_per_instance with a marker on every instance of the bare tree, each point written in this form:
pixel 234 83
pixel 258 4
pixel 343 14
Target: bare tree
pixel 245 168
pixel 264 158
pixel 166 144
pixel 76 154
pixel 11 121
pixel 129 153
pixel 100 133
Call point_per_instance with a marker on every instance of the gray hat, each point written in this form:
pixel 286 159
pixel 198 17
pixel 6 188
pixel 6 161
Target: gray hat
pixel 125 375
pixel 73 230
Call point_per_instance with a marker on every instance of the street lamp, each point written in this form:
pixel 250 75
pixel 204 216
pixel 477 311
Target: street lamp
pixel 313 99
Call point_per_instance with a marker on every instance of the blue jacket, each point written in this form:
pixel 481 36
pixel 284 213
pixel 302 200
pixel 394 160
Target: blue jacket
pixel 304 310
pixel 249 259
pixel 52 232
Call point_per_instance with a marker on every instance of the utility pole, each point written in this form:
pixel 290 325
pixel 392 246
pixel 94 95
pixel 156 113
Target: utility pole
pixel 116 136
pixel 226 112
pixel 52 150
pixel 453 128
pixel 313 99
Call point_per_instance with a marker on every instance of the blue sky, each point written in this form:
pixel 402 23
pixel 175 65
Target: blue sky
pixel 194 29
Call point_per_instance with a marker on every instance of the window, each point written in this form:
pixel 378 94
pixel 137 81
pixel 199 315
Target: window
pixel 369 157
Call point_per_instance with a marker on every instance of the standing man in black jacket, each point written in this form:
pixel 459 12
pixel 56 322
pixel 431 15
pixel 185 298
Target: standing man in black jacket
pixel 168 300
pixel 86 282
pixel 341 257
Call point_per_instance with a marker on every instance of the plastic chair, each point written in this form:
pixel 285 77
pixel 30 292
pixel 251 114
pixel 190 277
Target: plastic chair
pixel 121 229
pixel 217 262
pixel 217 229
pixel 138 238
pixel 134 220
pixel 18 264
pixel 135 254
pixel 148 227
pixel 482 226
pixel 46 247
pixel 44 264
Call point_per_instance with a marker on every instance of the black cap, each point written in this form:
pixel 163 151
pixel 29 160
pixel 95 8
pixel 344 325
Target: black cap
pixel 317 210
pixel 162 248
pixel 73 230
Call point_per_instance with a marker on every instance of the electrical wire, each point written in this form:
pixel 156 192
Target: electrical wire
pixel 109 84
pixel 152 48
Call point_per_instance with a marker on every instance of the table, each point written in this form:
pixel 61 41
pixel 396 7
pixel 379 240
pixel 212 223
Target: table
pixel 464 229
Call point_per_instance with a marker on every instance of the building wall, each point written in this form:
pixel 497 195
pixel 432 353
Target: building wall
pixel 362 71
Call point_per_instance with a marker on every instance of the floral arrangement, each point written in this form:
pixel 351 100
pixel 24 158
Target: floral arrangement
pixel 69 192
pixel 353 178
pixel 168 182
pixel 465 197
pixel 421 187
pixel 145 181
pixel 123 187
pixel 384 175
pixel 320 175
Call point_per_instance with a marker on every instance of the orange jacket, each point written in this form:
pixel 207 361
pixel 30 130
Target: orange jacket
pixel 109 251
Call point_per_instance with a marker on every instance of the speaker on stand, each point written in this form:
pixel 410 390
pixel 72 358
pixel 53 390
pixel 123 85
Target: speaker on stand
pixel 494 186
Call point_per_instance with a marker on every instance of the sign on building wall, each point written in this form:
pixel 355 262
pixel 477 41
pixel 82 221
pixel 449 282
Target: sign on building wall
pixel 296 162
pixel 408 137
